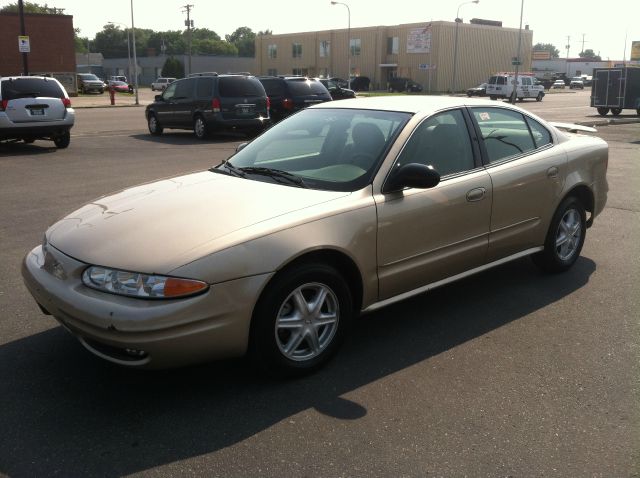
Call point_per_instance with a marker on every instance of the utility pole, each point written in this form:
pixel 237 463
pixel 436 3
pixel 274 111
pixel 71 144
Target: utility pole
pixel 189 24
pixel 23 32
pixel 567 46
pixel 582 51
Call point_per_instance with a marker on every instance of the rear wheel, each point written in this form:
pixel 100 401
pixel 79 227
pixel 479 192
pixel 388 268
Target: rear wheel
pixel 492 97
pixel 300 320
pixel 200 127
pixel 539 97
pixel 603 111
pixel 28 140
pixel 616 111
pixel 565 237
pixel 154 126
pixel 62 141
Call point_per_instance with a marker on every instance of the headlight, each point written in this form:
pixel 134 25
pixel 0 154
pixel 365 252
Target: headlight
pixel 134 284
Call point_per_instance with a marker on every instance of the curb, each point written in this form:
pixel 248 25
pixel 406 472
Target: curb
pixel 609 122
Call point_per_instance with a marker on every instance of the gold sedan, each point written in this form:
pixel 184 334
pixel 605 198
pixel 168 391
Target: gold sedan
pixel 335 211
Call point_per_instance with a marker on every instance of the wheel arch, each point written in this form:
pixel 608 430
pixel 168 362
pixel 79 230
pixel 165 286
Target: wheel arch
pixel 585 195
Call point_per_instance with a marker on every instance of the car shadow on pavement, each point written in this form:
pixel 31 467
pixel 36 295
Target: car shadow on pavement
pixel 183 138
pixel 65 412
pixel 23 149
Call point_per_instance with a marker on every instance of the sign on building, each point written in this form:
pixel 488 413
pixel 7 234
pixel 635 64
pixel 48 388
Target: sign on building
pixel 23 44
pixel 419 40
pixel 541 55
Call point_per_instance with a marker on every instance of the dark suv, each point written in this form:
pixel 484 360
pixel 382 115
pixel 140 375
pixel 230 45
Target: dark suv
pixel 289 94
pixel 210 103
pixel 404 84
pixel 88 82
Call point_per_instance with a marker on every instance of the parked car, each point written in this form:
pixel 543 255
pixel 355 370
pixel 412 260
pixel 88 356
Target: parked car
pixel 161 83
pixel 526 86
pixel 360 83
pixel 118 78
pixel 576 83
pixel 558 84
pixel 341 82
pixel 336 92
pixel 88 82
pixel 120 86
pixel 403 84
pixel 480 90
pixel 341 208
pixel 289 94
pixel 35 107
pixel 210 103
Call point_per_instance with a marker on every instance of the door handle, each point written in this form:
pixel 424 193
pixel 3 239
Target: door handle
pixel 476 194
pixel 552 172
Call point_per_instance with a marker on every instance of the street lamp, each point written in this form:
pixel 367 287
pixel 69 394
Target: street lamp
pixel 128 46
pixel 348 40
pixel 455 45
pixel 135 58
pixel 514 93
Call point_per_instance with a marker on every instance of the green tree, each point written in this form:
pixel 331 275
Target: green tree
pixel 244 40
pixel 80 42
pixel 213 47
pixel 555 53
pixel 173 68
pixel 589 54
pixel 173 41
pixel 31 7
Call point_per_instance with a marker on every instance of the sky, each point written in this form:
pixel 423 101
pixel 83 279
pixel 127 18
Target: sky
pixel 603 27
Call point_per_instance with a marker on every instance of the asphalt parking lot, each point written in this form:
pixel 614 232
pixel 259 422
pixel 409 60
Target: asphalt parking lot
pixel 507 373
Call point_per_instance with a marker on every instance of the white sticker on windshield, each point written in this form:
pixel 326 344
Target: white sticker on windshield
pixel 485 116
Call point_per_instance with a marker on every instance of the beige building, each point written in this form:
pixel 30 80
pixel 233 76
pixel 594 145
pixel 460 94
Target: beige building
pixel 423 52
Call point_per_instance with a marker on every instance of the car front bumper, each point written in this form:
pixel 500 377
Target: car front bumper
pixel 143 333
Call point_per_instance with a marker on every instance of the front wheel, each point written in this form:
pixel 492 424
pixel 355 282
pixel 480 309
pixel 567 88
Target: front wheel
pixel 616 111
pixel 300 320
pixel 603 111
pixel 565 237
pixel 62 141
pixel 493 97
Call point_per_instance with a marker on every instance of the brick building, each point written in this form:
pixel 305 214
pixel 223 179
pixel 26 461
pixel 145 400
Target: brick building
pixel 51 40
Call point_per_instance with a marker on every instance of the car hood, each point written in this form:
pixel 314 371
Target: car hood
pixel 163 225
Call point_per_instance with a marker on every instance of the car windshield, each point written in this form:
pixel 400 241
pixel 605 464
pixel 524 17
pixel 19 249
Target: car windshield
pixel 88 76
pixel 119 83
pixel 327 148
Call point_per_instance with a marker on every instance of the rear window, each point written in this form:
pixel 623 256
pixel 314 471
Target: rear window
pixel 240 86
pixel 274 87
pixel 498 80
pixel 306 87
pixel 30 87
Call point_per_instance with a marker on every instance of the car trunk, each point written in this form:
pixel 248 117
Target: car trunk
pixel 242 99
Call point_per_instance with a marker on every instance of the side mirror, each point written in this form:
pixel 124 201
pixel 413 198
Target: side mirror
pixel 412 175
pixel 159 98
pixel 240 147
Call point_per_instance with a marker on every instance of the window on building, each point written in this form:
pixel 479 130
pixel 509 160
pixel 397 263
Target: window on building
pixel 325 48
pixel 323 72
pixel 354 44
pixel 272 72
pixel 272 51
pixel 300 72
pixel 392 45
pixel 296 50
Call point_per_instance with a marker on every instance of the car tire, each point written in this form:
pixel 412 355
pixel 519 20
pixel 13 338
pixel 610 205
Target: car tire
pixel 200 128
pixel 603 111
pixel 539 97
pixel 616 111
pixel 154 125
pixel 300 320
pixel 28 140
pixel 565 237
pixel 493 97
pixel 62 141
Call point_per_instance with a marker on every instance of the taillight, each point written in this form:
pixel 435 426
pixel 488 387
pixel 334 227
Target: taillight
pixel 268 102
pixel 215 105
pixel 287 104
pixel 66 102
pixel 3 105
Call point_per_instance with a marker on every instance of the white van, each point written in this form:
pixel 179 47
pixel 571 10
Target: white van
pixel 501 86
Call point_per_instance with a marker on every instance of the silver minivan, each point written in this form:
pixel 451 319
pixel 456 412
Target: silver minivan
pixel 35 107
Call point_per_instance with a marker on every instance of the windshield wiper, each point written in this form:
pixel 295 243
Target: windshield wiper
pixel 232 170
pixel 276 174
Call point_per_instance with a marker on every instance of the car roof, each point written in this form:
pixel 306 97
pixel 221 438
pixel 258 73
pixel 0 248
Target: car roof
pixel 411 103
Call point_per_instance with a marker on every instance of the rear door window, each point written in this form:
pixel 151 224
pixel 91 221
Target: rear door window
pixel 30 88
pixel 184 89
pixel 204 88
pixel 504 132
pixel 305 87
